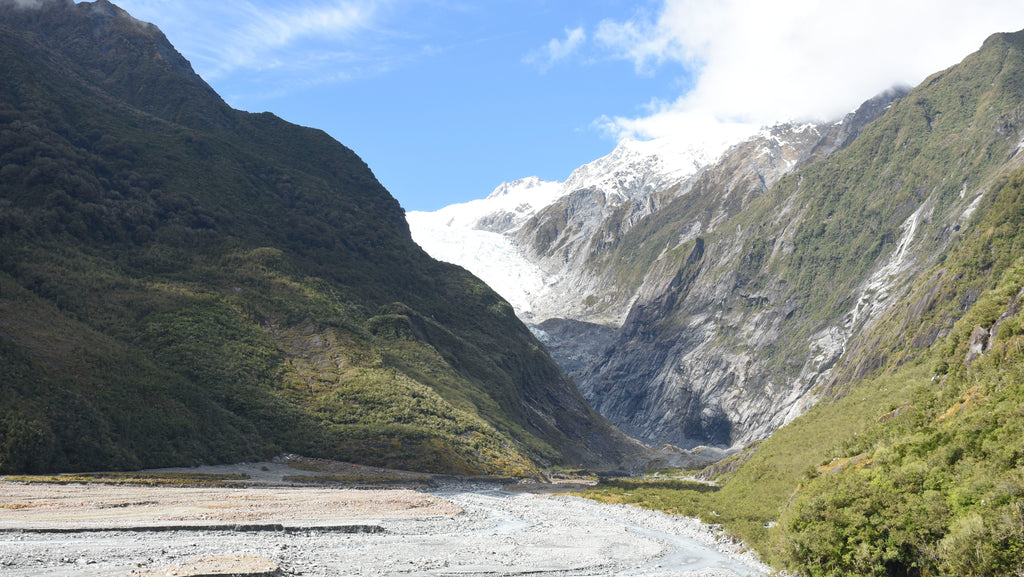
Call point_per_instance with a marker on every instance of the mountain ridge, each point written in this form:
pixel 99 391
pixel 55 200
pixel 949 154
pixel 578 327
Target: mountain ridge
pixel 181 282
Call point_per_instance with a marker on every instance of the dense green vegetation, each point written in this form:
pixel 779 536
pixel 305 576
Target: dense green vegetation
pixel 181 282
pixel 935 149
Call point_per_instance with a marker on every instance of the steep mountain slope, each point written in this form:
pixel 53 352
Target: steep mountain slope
pixel 181 282
pixel 916 469
pixel 911 462
pixel 735 329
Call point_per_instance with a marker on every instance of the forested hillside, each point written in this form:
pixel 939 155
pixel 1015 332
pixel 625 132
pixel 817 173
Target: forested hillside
pixel 181 282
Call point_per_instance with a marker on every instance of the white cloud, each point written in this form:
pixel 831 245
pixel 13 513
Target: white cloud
pixel 556 49
pixel 760 62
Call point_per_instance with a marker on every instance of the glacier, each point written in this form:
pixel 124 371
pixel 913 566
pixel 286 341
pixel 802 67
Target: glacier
pixel 477 235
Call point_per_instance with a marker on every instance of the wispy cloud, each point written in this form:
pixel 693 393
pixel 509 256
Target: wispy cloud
pixel 756 62
pixel 557 49
pixel 642 42
pixel 269 37
pixel 222 38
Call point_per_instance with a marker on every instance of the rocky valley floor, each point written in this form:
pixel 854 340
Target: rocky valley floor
pixel 267 527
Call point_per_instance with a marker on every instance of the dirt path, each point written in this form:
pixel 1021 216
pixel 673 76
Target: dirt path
pixel 456 529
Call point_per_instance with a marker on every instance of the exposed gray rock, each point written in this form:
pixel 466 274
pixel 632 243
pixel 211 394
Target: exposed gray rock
pixel 575 345
pixel 672 457
pixel 976 344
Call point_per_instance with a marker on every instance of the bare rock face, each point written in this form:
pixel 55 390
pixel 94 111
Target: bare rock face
pixel 576 345
pixel 687 364
pixel 976 345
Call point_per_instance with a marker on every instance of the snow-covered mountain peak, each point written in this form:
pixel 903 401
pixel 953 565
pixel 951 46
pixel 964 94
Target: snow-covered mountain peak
pixel 636 168
pixel 781 132
pixel 518 199
pixel 516 187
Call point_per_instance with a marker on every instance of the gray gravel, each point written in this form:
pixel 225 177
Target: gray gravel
pixel 499 533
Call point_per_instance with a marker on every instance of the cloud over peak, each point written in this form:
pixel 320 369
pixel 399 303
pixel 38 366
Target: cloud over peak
pixel 754 62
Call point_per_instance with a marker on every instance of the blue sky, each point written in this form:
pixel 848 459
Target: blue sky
pixel 445 99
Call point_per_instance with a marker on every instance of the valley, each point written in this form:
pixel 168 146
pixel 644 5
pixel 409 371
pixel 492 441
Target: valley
pixel 819 324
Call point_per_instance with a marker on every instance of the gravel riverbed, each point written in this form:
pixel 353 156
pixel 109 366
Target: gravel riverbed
pixel 447 529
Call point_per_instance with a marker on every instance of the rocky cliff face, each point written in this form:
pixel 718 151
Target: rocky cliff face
pixel 529 238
